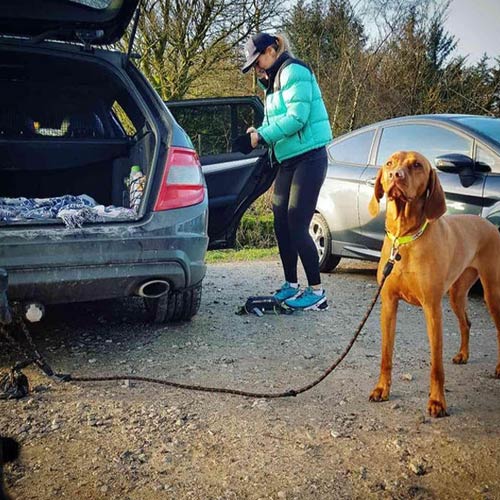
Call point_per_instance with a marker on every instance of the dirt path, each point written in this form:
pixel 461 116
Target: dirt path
pixel 147 442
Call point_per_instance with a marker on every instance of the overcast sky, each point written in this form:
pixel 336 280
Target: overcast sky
pixel 476 23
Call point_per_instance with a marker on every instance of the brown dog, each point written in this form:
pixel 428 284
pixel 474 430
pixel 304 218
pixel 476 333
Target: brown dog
pixel 448 254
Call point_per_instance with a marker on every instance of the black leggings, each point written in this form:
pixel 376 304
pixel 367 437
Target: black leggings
pixel 296 192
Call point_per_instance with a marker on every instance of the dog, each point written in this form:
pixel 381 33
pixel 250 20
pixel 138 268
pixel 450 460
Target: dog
pixel 9 451
pixel 439 254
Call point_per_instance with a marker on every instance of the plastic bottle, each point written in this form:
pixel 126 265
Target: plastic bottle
pixel 136 182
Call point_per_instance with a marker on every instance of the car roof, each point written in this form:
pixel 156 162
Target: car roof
pixel 450 118
pixel 442 117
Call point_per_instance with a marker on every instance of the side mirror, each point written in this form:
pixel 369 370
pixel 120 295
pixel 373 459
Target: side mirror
pixel 455 163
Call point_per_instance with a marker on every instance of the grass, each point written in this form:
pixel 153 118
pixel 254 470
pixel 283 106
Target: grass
pixel 245 254
pixel 255 239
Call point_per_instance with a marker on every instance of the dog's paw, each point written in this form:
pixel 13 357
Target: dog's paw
pixel 436 409
pixel 379 394
pixel 461 358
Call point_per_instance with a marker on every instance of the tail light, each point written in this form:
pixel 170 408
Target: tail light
pixel 182 181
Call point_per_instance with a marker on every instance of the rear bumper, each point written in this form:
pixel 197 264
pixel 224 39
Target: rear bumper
pixel 57 265
pixel 85 283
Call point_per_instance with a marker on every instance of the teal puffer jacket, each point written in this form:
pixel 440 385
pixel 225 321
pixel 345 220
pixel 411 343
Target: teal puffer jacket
pixel 296 120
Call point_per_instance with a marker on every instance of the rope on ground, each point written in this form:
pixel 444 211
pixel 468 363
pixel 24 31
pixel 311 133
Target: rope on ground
pixel 42 363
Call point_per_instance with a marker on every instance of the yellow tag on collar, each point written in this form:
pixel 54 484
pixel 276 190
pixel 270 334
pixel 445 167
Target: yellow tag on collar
pixel 403 240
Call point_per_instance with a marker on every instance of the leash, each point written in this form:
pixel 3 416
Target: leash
pixel 45 367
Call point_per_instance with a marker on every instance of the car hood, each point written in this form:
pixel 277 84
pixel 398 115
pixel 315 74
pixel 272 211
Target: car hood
pixel 98 22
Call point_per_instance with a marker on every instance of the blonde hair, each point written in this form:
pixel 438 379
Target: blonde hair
pixel 283 45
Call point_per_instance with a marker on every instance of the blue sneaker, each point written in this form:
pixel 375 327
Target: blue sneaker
pixel 286 292
pixel 308 301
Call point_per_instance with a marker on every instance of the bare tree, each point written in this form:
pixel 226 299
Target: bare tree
pixel 181 42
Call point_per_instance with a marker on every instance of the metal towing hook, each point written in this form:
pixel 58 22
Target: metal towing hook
pixel 32 311
pixel 14 384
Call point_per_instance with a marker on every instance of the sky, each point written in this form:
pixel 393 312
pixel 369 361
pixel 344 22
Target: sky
pixel 476 25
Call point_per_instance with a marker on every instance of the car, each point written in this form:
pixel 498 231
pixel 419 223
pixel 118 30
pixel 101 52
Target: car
pixel 75 117
pixel 465 150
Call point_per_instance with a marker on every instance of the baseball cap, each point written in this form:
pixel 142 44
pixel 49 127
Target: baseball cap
pixel 254 47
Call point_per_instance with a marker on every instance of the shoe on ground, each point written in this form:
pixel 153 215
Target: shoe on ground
pixel 287 292
pixel 308 301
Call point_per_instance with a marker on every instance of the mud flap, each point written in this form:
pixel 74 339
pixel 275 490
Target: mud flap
pixel 5 315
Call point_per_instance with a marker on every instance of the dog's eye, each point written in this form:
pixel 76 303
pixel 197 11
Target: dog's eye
pixel 389 164
pixel 417 165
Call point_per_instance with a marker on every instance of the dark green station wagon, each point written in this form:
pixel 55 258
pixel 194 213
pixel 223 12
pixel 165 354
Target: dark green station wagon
pixel 75 117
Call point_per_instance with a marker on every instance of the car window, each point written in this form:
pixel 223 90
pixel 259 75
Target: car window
pixel 123 119
pixel 211 128
pixel 353 149
pixel 429 140
pixel 246 117
pixel 42 124
pixel 485 157
pixel 490 127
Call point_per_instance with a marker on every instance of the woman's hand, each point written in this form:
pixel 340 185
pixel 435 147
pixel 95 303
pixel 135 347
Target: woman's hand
pixel 254 139
pixel 254 136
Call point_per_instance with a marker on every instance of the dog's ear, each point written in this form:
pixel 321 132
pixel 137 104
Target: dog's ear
pixel 435 204
pixel 378 194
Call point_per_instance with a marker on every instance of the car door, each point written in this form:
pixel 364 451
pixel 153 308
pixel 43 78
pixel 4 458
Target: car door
pixel 234 180
pixel 486 156
pixel 337 202
pixel 432 139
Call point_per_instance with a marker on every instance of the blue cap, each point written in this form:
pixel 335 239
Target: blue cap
pixel 255 46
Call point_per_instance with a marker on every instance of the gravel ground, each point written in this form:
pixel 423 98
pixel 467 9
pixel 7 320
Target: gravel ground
pixel 137 441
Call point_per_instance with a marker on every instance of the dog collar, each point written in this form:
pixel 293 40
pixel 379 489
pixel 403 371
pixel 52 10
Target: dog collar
pixel 403 240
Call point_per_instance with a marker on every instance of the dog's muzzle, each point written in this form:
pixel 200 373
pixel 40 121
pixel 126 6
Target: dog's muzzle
pixel 396 193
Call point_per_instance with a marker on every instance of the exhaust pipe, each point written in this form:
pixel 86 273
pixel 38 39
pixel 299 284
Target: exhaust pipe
pixel 153 289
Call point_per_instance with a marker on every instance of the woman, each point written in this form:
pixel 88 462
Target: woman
pixel 296 128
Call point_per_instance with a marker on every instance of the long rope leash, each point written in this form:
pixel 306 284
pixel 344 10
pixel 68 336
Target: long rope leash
pixel 40 361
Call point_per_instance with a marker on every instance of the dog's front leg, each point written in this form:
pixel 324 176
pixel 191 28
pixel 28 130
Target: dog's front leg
pixel 434 320
pixel 388 326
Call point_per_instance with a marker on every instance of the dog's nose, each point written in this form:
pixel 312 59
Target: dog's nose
pixel 396 174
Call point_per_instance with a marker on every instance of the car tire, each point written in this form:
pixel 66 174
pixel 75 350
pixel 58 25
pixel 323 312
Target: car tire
pixel 180 305
pixel 320 233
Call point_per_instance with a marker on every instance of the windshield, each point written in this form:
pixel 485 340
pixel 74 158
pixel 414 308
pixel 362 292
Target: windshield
pixel 489 127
